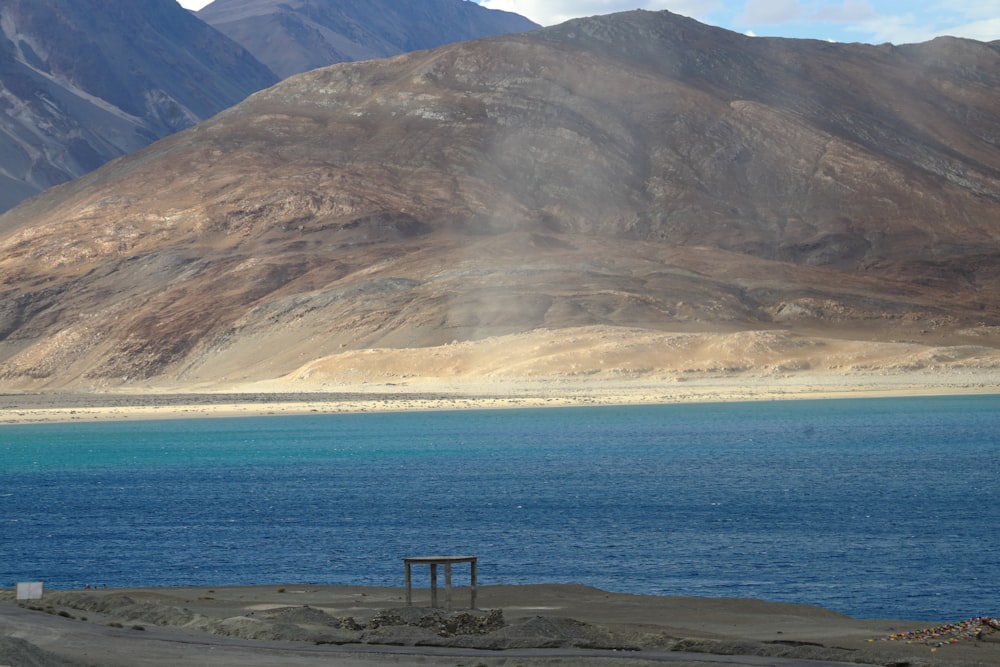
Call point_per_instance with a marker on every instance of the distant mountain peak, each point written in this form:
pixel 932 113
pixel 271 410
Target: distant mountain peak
pixel 294 37
pixel 85 81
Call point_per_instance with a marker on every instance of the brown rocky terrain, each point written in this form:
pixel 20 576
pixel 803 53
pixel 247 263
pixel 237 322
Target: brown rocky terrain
pixel 629 196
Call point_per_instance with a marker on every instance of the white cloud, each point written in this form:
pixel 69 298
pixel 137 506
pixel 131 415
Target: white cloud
pixel 872 21
pixel 771 12
pixel 850 11
pixel 776 12
pixel 972 9
pixel 551 12
pixel 878 21
pixel 973 19
pixel 194 4
pixel 984 31
pixel 900 29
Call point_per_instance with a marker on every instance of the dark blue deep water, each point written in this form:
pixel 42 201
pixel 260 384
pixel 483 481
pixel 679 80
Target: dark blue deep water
pixel 875 507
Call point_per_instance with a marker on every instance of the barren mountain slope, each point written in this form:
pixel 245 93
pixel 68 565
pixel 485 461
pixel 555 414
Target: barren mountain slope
pixel 297 36
pixel 639 172
pixel 85 81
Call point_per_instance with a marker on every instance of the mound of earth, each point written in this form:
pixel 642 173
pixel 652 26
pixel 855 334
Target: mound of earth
pixel 14 651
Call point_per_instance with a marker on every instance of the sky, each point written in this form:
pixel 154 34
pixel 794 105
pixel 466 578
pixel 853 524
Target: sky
pixel 871 21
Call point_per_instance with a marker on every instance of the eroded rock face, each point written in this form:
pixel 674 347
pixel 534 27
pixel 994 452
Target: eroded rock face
pixel 636 170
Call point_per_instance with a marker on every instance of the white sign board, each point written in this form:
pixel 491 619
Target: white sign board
pixel 29 590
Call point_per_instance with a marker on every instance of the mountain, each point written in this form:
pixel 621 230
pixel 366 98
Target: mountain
pixel 85 81
pixel 634 195
pixel 293 36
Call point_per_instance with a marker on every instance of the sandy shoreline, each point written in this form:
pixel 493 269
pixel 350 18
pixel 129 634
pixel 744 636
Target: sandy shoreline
pixel 522 625
pixel 272 398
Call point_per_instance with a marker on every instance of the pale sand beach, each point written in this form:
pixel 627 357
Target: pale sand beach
pixel 282 397
pixel 512 625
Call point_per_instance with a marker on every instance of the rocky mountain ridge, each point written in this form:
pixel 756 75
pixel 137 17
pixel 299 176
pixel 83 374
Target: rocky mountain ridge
pixel 640 173
pixel 294 37
pixel 86 81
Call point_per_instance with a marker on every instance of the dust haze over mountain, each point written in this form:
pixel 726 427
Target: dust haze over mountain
pixel 297 36
pixel 85 81
pixel 630 195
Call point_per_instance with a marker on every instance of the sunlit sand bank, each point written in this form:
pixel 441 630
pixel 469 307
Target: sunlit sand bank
pixel 597 365
pixel 285 398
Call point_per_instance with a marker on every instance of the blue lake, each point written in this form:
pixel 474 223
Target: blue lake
pixel 872 507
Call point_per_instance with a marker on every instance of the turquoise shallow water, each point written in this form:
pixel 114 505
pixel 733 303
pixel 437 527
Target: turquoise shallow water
pixel 874 507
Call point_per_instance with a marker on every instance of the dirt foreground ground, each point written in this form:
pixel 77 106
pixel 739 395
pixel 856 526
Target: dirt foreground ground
pixel 512 625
